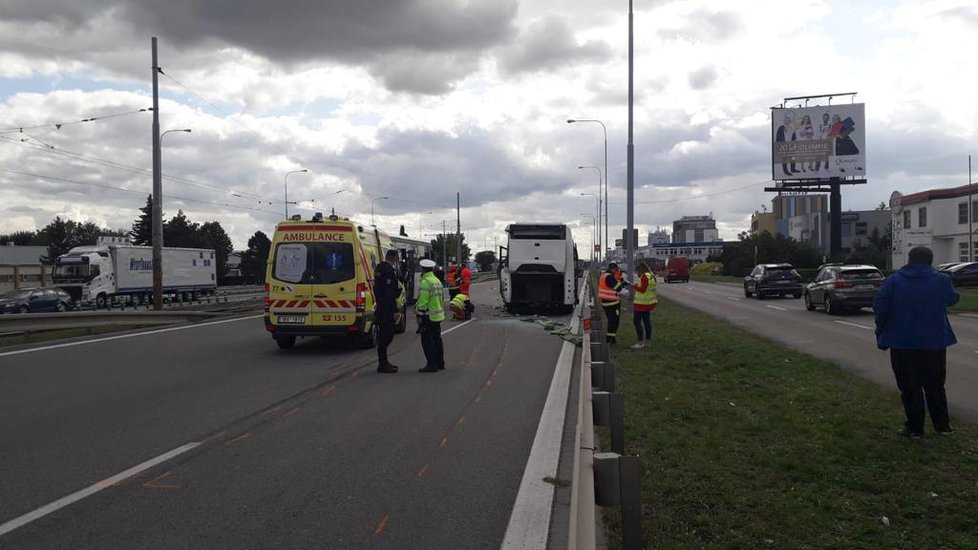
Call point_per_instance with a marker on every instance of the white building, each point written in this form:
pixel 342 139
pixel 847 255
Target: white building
pixel 695 229
pixel 659 236
pixel 937 219
pixel 20 267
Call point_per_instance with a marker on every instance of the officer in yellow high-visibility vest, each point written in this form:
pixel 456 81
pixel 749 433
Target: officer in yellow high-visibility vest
pixel 608 288
pixel 643 303
pixel 431 312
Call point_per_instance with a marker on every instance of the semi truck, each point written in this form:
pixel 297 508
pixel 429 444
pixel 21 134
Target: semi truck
pixel 538 269
pixel 102 273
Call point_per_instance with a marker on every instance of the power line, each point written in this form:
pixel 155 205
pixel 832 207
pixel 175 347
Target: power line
pixel 60 125
pixel 703 196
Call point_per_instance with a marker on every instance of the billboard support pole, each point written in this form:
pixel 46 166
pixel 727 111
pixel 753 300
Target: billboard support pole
pixel 835 215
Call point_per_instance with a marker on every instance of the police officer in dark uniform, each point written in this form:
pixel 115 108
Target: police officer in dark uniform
pixel 386 291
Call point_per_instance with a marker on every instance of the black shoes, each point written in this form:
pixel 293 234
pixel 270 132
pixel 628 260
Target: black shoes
pixel 428 369
pixel 388 368
pixel 907 432
pixel 441 366
pixel 946 431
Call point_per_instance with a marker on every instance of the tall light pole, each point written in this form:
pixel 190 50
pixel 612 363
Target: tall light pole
pixel 605 128
pixel 630 149
pixel 598 169
pixel 285 184
pixel 158 204
pixel 597 222
pixel 594 229
pixel 372 201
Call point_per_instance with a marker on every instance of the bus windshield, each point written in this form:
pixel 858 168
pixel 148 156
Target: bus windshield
pixel 538 232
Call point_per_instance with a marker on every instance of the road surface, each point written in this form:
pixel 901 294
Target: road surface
pixel 262 448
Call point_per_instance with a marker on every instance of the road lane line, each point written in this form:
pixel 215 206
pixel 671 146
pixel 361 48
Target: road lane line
pixel 121 336
pixel 456 327
pixel 422 471
pixel 290 413
pixel 92 489
pixel 444 441
pixel 779 308
pixel 380 526
pixel 239 438
pixel 857 325
pixel 529 523
pixel 734 298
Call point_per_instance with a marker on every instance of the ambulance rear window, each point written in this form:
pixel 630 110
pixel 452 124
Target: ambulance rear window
pixel 314 263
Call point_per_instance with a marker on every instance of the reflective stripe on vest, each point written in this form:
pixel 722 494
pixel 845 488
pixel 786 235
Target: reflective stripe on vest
pixel 648 297
pixel 606 294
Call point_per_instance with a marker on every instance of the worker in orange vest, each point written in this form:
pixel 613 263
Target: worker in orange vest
pixel 451 280
pixel 608 288
pixel 464 280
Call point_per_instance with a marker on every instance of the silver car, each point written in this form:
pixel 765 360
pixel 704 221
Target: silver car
pixel 837 288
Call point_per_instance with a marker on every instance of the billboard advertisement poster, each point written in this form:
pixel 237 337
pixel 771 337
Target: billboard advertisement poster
pixel 818 142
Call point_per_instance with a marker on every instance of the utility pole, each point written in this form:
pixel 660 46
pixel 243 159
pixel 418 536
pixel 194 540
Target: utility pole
pixel 444 244
pixel 630 152
pixel 971 216
pixel 458 227
pixel 157 190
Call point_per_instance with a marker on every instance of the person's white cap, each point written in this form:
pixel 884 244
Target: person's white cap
pixel 428 264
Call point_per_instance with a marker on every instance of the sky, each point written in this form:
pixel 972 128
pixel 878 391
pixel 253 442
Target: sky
pixel 394 106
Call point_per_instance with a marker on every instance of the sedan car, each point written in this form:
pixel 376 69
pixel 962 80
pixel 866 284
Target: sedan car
pixel 773 280
pixel 34 300
pixel 837 288
pixel 964 274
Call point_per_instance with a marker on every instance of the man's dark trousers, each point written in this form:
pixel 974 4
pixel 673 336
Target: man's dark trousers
pixel 434 350
pixel 385 335
pixel 613 313
pixel 920 376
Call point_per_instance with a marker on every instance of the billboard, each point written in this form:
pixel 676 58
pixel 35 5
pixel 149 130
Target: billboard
pixel 818 142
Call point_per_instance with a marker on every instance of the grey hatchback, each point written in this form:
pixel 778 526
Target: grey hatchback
pixel 840 287
pixel 773 280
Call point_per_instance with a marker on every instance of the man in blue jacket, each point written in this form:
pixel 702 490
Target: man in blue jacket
pixel 911 321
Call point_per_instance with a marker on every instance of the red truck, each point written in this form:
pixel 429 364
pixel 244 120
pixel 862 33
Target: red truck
pixel 677 269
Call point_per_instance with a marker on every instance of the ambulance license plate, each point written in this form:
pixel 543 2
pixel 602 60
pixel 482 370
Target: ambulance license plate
pixel 292 319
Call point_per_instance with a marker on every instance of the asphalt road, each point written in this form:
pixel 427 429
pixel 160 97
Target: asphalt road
pixel 848 340
pixel 303 448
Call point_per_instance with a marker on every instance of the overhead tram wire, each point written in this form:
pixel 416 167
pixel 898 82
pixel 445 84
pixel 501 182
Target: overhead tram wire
pixel 59 125
pixel 140 192
pixel 703 196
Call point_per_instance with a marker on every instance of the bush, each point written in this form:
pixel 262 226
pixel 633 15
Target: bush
pixel 708 268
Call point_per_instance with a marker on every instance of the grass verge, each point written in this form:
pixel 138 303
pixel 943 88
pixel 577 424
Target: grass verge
pixel 745 443
pixel 968 302
pixel 49 335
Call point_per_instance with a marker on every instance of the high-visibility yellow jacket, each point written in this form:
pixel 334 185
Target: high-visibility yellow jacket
pixel 429 298
pixel 645 296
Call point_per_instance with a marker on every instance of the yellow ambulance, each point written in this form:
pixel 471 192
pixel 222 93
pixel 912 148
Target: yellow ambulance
pixel 319 280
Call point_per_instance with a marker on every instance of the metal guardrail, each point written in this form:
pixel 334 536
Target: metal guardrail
pixel 31 322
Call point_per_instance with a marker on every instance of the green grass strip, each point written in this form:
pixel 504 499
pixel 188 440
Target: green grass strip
pixel 968 302
pixel 745 443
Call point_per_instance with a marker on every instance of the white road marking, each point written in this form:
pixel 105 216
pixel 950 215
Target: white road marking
pixel 779 308
pixel 708 293
pixel 857 325
pixel 92 489
pixel 734 298
pixel 529 523
pixel 456 327
pixel 133 335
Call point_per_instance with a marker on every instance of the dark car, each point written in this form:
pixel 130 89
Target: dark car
pixel 947 266
pixel 773 280
pixel 35 300
pixel 837 288
pixel 963 275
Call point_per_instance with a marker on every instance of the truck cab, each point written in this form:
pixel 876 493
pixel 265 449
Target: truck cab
pixel 86 274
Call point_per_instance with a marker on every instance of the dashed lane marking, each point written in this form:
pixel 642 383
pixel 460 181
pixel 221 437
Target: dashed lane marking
pixel 857 325
pixel 779 308
pixel 92 489
pixel 734 298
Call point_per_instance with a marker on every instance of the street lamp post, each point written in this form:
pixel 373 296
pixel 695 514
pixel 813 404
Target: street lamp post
pixel 597 223
pixel 285 184
pixel 605 129
pixel 594 229
pixel 598 169
pixel 158 213
pixel 372 201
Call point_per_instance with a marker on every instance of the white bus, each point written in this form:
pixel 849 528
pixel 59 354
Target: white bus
pixel 538 269
pixel 411 252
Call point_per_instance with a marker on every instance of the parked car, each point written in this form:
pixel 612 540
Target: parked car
pixel 947 266
pixel 34 300
pixel 773 280
pixel 837 288
pixel 964 275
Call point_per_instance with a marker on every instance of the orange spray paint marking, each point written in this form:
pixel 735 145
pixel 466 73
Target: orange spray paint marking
pixel 356 373
pixel 152 484
pixel 270 411
pixel 444 441
pixel 239 438
pixel 218 435
pixel 422 471
pixel 461 420
pixel 477 399
pixel 290 413
pixel 380 526
pixel 328 391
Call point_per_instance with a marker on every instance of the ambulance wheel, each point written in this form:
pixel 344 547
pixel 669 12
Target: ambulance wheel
pixel 401 326
pixel 369 339
pixel 285 342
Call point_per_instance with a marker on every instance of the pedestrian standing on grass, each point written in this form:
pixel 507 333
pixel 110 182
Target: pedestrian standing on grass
pixel 911 321
pixel 643 303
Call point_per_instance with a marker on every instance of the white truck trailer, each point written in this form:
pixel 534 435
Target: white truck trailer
pixel 538 268
pixel 98 274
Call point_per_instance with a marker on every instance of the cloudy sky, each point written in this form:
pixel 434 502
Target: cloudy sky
pixel 415 100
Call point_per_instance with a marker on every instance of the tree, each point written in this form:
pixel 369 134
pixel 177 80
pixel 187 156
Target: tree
pixel 181 232
pixel 738 258
pixel 19 238
pixel 60 236
pixel 142 229
pixel 255 258
pixel 212 235
pixel 486 259
pixel 438 246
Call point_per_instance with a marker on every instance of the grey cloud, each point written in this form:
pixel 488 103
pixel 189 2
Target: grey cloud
pixel 966 14
pixel 702 78
pixel 298 32
pixel 549 45
pixel 704 25
pixel 423 73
